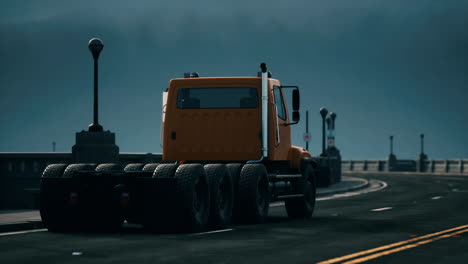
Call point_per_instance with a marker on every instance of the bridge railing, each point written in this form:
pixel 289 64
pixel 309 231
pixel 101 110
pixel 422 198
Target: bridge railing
pixel 434 166
pixel 20 173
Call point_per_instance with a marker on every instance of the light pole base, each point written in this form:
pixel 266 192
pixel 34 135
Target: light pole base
pixel 95 147
pixel 95 128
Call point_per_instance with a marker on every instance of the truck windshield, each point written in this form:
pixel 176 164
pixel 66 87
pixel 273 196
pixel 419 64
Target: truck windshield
pixel 217 97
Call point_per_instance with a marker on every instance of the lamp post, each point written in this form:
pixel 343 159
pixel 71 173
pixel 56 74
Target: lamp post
pixel 391 145
pixel 95 46
pixel 323 113
pixel 331 130
pixel 422 144
pixel 307 129
pixel 421 167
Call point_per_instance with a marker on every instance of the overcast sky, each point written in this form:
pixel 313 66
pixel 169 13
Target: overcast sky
pixel 385 67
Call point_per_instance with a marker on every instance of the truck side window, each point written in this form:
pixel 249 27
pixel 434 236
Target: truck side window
pixel 279 102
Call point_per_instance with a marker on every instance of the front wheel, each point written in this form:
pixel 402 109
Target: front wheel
pixel 303 207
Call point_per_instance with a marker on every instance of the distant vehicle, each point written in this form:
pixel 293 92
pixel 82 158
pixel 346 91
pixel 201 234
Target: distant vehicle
pixel 227 154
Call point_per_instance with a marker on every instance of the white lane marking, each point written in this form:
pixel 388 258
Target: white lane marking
pixel 23 232
pixel 382 209
pixel 436 197
pixel 277 204
pixel 457 190
pixel 383 185
pixel 77 253
pixel 212 232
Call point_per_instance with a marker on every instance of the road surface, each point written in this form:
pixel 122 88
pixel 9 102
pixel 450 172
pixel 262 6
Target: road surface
pixel 415 219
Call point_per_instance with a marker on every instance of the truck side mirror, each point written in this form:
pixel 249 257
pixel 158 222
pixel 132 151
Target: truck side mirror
pixel 295 104
pixel 296 100
pixel 295 116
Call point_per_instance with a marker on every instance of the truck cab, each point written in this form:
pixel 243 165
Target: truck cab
pixel 220 119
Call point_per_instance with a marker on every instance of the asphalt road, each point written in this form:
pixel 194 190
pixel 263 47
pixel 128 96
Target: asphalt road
pixel 415 219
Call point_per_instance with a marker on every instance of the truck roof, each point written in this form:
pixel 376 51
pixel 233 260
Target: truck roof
pixel 227 81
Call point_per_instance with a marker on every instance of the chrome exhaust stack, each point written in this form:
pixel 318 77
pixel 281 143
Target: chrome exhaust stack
pixel 264 73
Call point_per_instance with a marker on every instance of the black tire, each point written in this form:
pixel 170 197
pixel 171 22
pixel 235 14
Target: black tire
pixel 254 193
pixel 107 167
pixel 108 216
pixel 102 214
pixel 51 216
pixel 221 195
pixel 303 207
pixel 134 167
pixel 150 167
pixel 152 219
pixel 73 169
pixel 165 170
pixel 235 170
pixel 193 193
pixel 54 170
pixel 131 215
pixel 56 209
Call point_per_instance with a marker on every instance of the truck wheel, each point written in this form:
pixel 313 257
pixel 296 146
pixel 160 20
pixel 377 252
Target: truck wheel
pixel 221 195
pixel 73 169
pixel 50 212
pixel 109 167
pixel 131 215
pixel 303 207
pixel 235 170
pixel 153 220
pixel 97 210
pixel 150 167
pixel 254 194
pixel 108 215
pixel 193 193
pixel 134 167
pixel 165 170
pixel 54 171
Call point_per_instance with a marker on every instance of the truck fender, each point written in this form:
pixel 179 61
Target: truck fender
pixel 296 155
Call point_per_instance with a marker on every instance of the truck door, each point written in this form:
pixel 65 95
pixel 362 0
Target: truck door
pixel 282 135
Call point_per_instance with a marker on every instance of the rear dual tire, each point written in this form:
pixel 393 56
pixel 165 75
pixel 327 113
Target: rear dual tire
pixel 193 197
pixel 52 217
pixel 254 194
pixel 157 214
pixel 221 192
pixel 60 214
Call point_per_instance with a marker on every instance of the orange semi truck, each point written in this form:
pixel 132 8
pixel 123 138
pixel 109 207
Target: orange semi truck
pixel 227 154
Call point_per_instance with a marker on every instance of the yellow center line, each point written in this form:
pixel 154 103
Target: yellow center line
pixel 388 252
pixel 365 252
